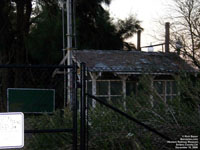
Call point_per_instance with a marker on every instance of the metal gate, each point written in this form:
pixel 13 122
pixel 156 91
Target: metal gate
pixel 84 113
pixel 24 72
pixel 83 106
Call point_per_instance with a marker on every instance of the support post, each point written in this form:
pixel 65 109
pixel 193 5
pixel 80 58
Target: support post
pixel 124 78
pixel 64 53
pixel 167 36
pixel 94 77
pixel 69 48
pixel 83 108
pixel 75 107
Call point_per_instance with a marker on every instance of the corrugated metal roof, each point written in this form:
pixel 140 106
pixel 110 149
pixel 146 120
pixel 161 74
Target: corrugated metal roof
pixel 131 61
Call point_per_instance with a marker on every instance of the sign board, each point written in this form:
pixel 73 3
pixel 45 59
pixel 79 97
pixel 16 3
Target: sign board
pixel 29 100
pixel 11 130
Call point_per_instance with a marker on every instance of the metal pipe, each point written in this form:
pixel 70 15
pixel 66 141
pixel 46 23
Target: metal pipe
pixel 69 48
pixel 34 66
pixel 82 113
pixel 74 22
pixel 87 119
pixel 153 45
pixel 49 131
pixel 64 75
pixel 75 107
pixel 63 24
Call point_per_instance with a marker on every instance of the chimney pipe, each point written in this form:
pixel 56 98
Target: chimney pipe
pixel 139 40
pixel 167 36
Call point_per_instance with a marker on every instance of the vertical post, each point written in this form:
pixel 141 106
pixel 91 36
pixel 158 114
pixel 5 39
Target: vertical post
pixel 167 36
pixel 139 40
pixel 124 78
pixel 94 91
pixel 74 23
pixel 83 108
pixel 94 77
pixel 87 115
pixel 63 30
pixel 74 106
pixel 69 48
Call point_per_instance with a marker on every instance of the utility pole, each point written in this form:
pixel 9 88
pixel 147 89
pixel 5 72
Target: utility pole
pixel 69 50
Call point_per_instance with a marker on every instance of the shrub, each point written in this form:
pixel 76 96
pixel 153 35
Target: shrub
pixel 110 131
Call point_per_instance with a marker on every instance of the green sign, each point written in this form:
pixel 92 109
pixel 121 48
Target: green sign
pixel 31 100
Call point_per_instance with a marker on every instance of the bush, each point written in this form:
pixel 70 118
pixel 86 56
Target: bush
pixel 110 131
pixel 51 141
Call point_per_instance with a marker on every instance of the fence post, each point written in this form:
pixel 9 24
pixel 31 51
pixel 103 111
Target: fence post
pixel 83 108
pixel 74 102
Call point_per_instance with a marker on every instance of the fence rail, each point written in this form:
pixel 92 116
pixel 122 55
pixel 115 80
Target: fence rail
pixel 129 117
pixel 49 131
pixel 35 66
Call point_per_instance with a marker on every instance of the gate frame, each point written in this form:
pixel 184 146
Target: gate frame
pixel 83 106
pixel 84 113
pixel 74 107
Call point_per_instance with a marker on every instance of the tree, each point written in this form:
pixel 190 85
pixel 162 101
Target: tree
pixel 186 29
pixel 14 28
pixel 44 42
pixel 126 29
pixel 96 29
pixel 31 33
pixel 25 29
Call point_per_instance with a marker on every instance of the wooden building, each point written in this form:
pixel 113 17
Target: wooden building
pixel 113 74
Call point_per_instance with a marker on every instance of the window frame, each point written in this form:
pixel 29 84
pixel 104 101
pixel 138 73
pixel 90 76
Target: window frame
pixel 165 94
pixel 109 95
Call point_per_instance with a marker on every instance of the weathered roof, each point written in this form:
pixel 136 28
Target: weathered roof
pixel 131 61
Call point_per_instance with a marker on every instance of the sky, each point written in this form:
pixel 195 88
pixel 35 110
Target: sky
pixel 147 11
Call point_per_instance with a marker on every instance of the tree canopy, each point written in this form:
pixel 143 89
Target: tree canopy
pixel 186 29
pixel 31 30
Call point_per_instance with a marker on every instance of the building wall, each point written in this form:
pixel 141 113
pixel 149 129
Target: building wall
pixel 112 87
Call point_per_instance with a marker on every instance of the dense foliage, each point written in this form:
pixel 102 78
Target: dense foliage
pixel 31 30
pixel 31 33
pixel 108 130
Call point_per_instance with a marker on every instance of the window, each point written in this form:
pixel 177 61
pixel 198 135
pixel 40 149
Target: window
pixel 109 90
pixel 102 88
pixel 116 87
pixel 166 88
pixel 131 87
